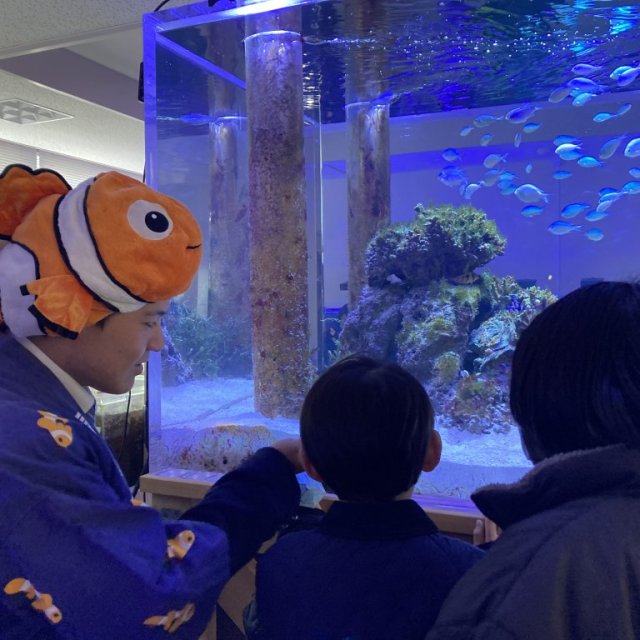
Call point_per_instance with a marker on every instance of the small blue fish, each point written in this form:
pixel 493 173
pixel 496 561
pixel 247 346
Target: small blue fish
pixel 465 131
pixel 485 120
pixel 604 205
pixel 568 151
pixel 582 98
pixel 470 189
pixel 594 234
pixel 562 175
pixel 603 116
pixel 485 139
pixel 612 196
pixel 452 176
pixel 531 210
pixel 451 155
pixel 493 159
pixel 618 71
pixel 530 127
pixel 560 140
pixel 529 193
pixel 605 190
pixel 574 209
pixel 634 172
pixel 528 168
pixel 628 76
pixel 585 84
pixel 517 139
pixel 507 189
pixel 584 69
pixel 491 177
pixel 632 150
pixel 559 94
pixel 610 147
pixel 560 227
pixel 594 216
pixel 521 114
pixel 588 162
pixel 515 303
pixel 507 175
pixel 623 109
pixel 631 187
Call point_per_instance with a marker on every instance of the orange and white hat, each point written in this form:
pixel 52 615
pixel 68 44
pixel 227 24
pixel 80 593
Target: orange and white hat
pixel 70 257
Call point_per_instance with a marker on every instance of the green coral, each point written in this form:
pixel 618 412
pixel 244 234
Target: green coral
pixel 475 404
pixel 495 338
pixel 442 241
pixel 447 367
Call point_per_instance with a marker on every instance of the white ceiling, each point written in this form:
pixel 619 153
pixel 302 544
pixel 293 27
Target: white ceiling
pixel 80 57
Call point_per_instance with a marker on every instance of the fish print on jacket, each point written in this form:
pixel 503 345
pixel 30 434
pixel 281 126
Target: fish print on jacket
pixel 58 427
pixel 42 602
pixel 179 546
pixel 173 620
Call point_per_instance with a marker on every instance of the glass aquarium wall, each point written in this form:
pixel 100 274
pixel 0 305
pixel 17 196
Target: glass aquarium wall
pixel 413 180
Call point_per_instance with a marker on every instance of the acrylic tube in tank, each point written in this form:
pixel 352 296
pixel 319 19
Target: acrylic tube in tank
pixel 279 304
pixel 229 307
pixel 367 119
pixel 368 185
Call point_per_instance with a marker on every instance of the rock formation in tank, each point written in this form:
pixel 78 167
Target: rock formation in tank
pixel 427 309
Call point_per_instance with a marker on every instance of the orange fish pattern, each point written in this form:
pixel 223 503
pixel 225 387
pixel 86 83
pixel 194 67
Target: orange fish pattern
pixel 58 427
pixel 39 601
pixel 178 546
pixel 173 620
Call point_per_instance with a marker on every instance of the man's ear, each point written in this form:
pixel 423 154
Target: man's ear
pixel 434 451
pixel 310 470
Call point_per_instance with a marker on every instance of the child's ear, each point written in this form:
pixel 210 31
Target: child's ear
pixel 434 451
pixel 310 470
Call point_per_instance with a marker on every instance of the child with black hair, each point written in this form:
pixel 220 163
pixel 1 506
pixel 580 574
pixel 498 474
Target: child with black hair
pixel 376 566
pixel 567 564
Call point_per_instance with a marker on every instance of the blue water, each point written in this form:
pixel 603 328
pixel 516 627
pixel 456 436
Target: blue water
pixel 483 96
pixel 422 56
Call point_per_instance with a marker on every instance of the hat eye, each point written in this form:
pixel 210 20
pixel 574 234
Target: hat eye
pixel 149 220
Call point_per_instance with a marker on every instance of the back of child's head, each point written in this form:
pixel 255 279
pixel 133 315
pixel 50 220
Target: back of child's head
pixel 575 381
pixel 365 427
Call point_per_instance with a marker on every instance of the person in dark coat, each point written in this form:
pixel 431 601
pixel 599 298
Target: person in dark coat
pixel 567 565
pixel 376 566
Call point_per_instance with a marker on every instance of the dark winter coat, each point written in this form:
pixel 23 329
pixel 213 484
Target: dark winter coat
pixel 567 566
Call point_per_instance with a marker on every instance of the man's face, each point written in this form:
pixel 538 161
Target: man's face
pixel 109 357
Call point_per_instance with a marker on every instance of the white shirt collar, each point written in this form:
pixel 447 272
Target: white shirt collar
pixel 83 397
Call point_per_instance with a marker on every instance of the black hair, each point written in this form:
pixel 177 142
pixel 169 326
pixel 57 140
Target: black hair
pixel 365 426
pixel 575 380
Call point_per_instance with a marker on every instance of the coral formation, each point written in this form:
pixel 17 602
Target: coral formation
pixel 426 309
pixel 441 242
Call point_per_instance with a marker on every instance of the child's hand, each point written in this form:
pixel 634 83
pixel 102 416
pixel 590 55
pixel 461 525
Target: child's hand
pixel 290 448
pixel 485 531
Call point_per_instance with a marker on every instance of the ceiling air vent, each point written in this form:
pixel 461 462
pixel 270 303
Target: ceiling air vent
pixel 21 112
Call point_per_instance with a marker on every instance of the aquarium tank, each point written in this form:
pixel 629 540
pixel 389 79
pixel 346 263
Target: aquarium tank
pixel 411 179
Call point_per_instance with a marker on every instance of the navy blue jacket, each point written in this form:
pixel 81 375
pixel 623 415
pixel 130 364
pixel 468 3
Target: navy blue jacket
pixel 367 572
pixel 69 528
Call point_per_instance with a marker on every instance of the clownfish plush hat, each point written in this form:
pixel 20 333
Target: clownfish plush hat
pixel 70 257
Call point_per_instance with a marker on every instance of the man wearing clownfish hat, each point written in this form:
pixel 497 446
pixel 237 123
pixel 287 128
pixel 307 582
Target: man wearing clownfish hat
pixel 86 275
